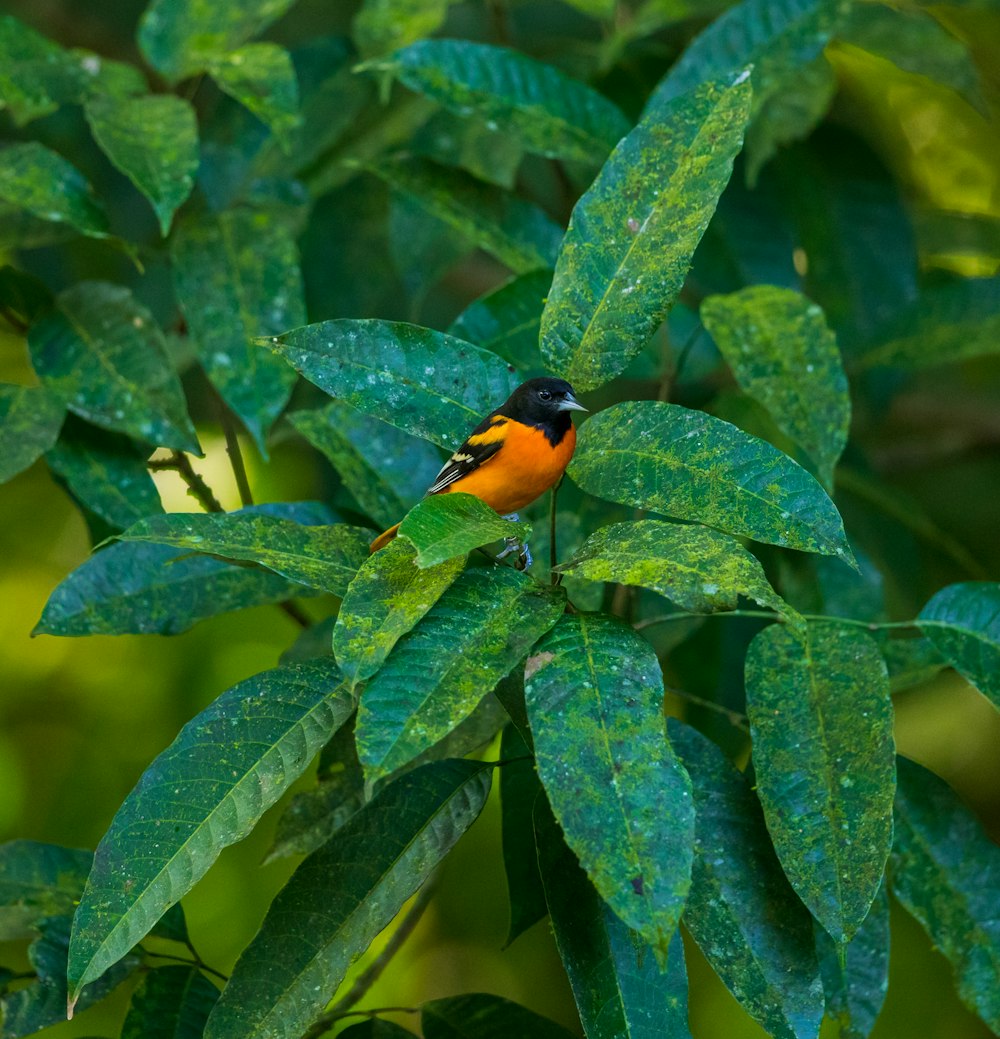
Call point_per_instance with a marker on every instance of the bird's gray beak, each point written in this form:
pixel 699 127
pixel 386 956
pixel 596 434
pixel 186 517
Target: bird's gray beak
pixel 570 403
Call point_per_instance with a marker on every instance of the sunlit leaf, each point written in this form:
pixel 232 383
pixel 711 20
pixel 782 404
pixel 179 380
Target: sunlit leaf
pixel 261 77
pixel 30 419
pixel 480 1016
pixel 170 1003
pixel 38 880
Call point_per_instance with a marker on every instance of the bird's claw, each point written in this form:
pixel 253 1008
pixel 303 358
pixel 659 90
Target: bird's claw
pixel 512 545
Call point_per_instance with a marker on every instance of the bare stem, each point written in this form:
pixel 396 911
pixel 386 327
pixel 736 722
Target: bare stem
pixel 735 718
pixel 235 453
pixel 197 488
pixel 553 554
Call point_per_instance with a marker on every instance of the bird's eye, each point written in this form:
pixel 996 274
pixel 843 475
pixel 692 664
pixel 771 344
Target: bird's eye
pixel 545 394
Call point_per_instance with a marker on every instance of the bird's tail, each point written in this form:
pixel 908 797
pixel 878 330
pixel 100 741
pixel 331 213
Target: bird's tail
pixel 384 538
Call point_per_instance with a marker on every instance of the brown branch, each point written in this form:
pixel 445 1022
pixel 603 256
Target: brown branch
pixel 197 488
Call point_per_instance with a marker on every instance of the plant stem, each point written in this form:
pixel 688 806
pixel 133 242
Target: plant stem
pixel 666 618
pixel 196 962
pixel 197 488
pixel 235 453
pixel 735 718
pixel 553 554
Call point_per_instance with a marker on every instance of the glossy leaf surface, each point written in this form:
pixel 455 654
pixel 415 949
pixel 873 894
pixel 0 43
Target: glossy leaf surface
pixel 443 526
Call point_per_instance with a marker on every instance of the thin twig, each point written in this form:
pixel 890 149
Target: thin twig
pixel 735 718
pixel 235 453
pixel 13 320
pixel 681 615
pixel 297 614
pixel 553 554
pixel 197 488
pixel 196 962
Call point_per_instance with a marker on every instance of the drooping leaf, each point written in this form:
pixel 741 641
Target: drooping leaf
pixel 170 1003
pixel 237 277
pixel 105 354
pixel 225 769
pixel 30 419
pixel 617 984
pixel 546 111
pixel 633 233
pixel 38 880
pixel 41 182
pixel 435 676
pixel 261 77
pixel 821 724
pixel 946 871
pixel 153 140
pixel 386 598
pixel 690 465
pixel 594 693
pixel 133 588
pixel 383 25
pixel 784 355
pixel 477 1015
pixel 424 382
pixel 741 911
pixel 342 896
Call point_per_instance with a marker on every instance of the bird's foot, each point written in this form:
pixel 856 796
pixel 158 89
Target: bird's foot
pixel 512 545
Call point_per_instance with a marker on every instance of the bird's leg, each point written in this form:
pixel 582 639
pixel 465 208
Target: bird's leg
pixel 514 544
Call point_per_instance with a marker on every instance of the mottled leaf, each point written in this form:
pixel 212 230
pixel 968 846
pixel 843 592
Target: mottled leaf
pixel 170 1003
pixel 30 419
pixel 106 355
pixel 38 880
pixel 821 724
pixel 342 896
pixel 225 769
pixel 477 1015
pixel 594 694
pixel 424 382
pixel 383 25
pixel 690 465
pixel 741 911
pixel 633 233
pixel 474 634
pixel 261 77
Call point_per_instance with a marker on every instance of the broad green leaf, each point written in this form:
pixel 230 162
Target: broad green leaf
pixel 690 465
pixel 443 526
pixel 237 277
pixel 423 248
pixel 470 143
pixel 386 598
pixel 170 1003
pixel 783 354
pixel 261 77
pixel 38 880
pixel 30 419
pixel 508 319
pixel 213 783
pixel 385 469
pixel 153 140
pixel 106 355
pixel 182 37
pixel 321 557
pixel 823 751
pixel 696 567
pixel 480 1016
pixel 384 25
pixel 855 987
pixel 594 694
pixel 435 676
pixel 107 472
pixel 946 871
pixel 911 662
pixel 133 588
pixel 351 888
pixel 424 382
pixel 963 622
pixel 547 112
pixel 741 911
pixel 618 986
pixel 516 232
pixel 43 183
pixel 633 233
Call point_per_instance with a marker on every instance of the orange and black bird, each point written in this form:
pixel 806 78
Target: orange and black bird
pixel 515 454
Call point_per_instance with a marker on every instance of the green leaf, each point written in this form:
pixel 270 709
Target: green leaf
pixel 594 694
pixel 547 112
pixel 443 526
pixel 107 472
pixel 783 354
pixel 423 249
pixel 321 557
pixel 855 988
pixel 170 1003
pixel 963 622
pixel 261 77
pixel 352 887
pixel 237 277
pixel 133 588
pixel 946 871
pixel 516 232
pixel 182 37
pixel 153 140
pixel 911 662
pixel 383 25
pixel 212 784
pixel 424 382
pixel 43 183
pixel 698 568
pixel 385 469
pixel 470 143
pixel 23 295
pixel 508 319
pixel 633 233
pixel 30 419
pixel 690 465
pixel 821 724
pixel 105 354
pixel 38 880
pixel 619 989
pixel 480 1016
pixel 389 595
pixel 743 914
pixel 435 676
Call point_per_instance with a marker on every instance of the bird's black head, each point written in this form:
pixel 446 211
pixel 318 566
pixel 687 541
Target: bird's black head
pixel 545 403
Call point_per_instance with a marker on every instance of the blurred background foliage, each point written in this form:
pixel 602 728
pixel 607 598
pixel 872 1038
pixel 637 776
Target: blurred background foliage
pixel 894 194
